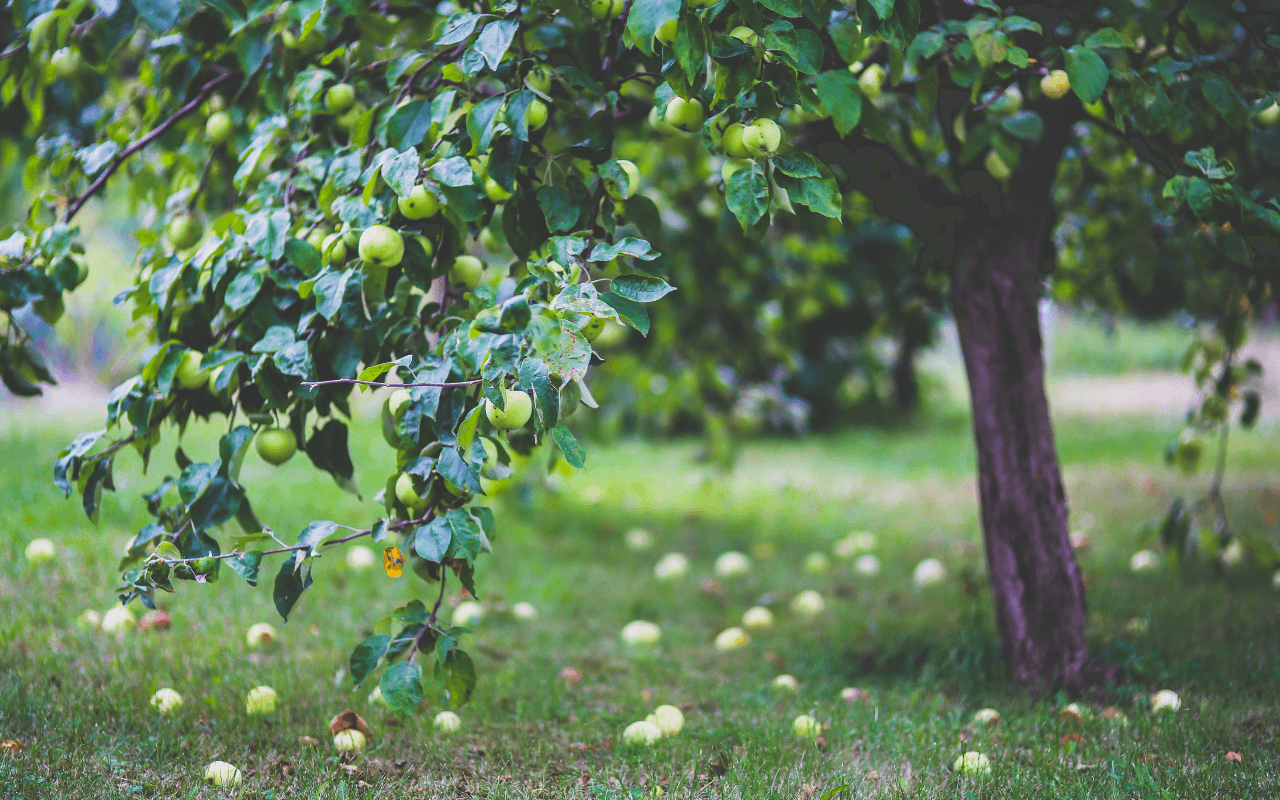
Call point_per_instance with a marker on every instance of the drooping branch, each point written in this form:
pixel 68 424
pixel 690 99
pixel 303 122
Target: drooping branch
pixel 313 384
pixel 205 91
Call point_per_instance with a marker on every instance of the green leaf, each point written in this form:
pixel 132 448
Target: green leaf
pixel 218 503
pixel 1109 37
pixel 401 172
pixel 246 566
pixel 641 288
pixel 457 676
pixel 838 91
pixel 303 256
pixel 365 658
pixel 291 581
pixel 629 246
pixel 457 28
pixel 1026 125
pixel 494 39
pixel 569 445
pixel 159 14
pixel 1087 72
pixel 798 164
pixel 431 541
pixel 327 449
pixel 402 687
pixel 819 194
pixel 747 195
pixel 690 44
pixel 453 171
pixel 645 17
pixel 458 472
pixel 465 542
pixel 629 310
pixel 1226 101
pixel 559 208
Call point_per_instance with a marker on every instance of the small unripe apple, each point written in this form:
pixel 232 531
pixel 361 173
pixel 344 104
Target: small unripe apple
pixel 732 143
pixel 519 408
pixel 260 635
pixel 118 620
pixel 745 35
pixel 602 10
pixel 668 718
pixel 671 566
pixel 68 64
pixel 619 193
pixel 407 493
pixel 666 32
pixel 312 42
pixel 489 241
pixel 761 138
pixel 185 231
pixel 996 167
pixel 535 116
pixel 275 445
pixel 344 121
pixel 261 701
pixel 641 633
pixel 333 249
pixel 381 246
pixel 731 639
pixel 806 727
pixel 1056 84
pixel 592 329
pixel 757 618
pixel 810 116
pixel 495 191
pixel 660 125
pixel 685 115
pixel 166 701
pixel 219 129
pixel 972 763
pixel 1269 117
pixel 732 165
pixel 340 98
pixel 349 741
pixel 189 375
pixel 641 734
pixel 419 204
pixel 41 551
pixel 539 79
pixel 220 773
pixel 732 565
pixel 808 604
pixel 466 272
pixel 871 81
pixel 1071 714
pixel 447 722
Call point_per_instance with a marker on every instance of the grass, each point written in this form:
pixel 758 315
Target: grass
pixel 1085 345
pixel 77 699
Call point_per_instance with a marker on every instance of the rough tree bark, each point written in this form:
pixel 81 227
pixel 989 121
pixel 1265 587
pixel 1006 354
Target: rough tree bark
pixel 994 241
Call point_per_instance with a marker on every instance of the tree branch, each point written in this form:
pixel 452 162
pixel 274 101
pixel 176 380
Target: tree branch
pixel 76 204
pixel 313 384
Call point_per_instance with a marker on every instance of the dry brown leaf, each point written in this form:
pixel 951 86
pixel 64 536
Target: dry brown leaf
pixel 348 720
pixel 11 746
pixel 1234 756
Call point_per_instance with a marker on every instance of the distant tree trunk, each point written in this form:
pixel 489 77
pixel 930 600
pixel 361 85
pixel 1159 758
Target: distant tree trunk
pixel 994 239
pixel 906 384
pixel 1039 596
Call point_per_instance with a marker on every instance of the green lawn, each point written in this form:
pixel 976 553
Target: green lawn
pixel 77 698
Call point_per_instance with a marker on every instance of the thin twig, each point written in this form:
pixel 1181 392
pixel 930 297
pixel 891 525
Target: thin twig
pixel 313 384
pixel 159 130
pixel 395 526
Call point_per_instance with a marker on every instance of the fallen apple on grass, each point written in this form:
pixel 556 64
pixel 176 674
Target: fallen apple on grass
pixel 261 701
pixel 166 701
pixel 641 734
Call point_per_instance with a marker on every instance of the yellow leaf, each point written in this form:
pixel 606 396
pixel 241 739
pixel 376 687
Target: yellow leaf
pixel 393 561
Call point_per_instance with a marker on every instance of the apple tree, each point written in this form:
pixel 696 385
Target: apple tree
pixel 315 178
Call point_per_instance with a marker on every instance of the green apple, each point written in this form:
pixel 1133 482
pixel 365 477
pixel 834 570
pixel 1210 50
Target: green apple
pixel 535 116
pixel 427 247
pixel 349 741
pixel 494 191
pixel 539 79
pixel 871 81
pixel 810 116
pixel 68 64
pixel 490 455
pixel 732 165
pixel 316 238
pixel 1269 117
pixel 996 166
pixel 593 328
pixel 744 34
pixel 761 138
pixel 393 410
pixel 660 125
pixel 340 98
pixel 311 43
pixel 261 701
pixel 489 242
pixel 333 249
pixel 82 269
pixel 407 493
pixel 276 445
pixel 684 115
pixel 41 551
pixel 641 734
pixel 601 10
pixel 217 373
pixel 220 773
pixel 519 408
pixel 219 129
pixel 1056 84
pixel 466 271
pixel 351 238
pixel 447 722
pixel 637 89
pixel 666 32
pixel 381 246
pixel 731 142
pixel 806 727
pixel 188 374
pixel 419 204
pixel 166 701
pixel 617 193
pixel 185 231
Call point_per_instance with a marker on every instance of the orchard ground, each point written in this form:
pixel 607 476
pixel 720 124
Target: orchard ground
pixel 77 700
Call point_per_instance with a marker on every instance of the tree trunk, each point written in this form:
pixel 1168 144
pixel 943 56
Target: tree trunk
pixel 1039 596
